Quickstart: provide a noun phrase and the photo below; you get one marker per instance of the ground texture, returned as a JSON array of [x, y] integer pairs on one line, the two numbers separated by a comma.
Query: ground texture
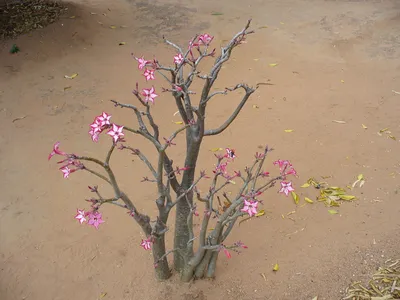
[[336, 60]]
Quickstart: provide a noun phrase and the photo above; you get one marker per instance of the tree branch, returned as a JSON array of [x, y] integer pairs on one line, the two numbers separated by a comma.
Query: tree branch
[[225, 125]]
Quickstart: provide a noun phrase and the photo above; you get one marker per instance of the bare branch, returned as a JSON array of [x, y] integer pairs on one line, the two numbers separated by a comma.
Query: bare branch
[[142, 158], [225, 125]]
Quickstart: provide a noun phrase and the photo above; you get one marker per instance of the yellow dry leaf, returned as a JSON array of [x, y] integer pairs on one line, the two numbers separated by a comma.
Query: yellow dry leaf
[[113, 27], [288, 130], [232, 182], [333, 212], [276, 268], [67, 88], [178, 123], [262, 27], [340, 122], [306, 185], [392, 137], [122, 43], [282, 216], [308, 200], [291, 213], [342, 81], [347, 197], [363, 126], [282, 23], [360, 177], [273, 65], [315, 298], [383, 130], [260, 213], [255, 59], [255, 106], [216, 149], [93, 13], [211, 229], [102, 295], [71, 77], [72, 17], [295, 197]]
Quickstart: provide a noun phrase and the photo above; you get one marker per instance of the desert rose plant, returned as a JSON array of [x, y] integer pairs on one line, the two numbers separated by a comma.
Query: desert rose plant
[[195, 253]]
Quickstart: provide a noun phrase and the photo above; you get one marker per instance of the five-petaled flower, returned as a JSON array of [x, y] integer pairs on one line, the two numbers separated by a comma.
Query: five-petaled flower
[[205, 39], [66, 171], [250, 207], [149, 74], [146, 244], [178, 59], [149, 94], [230, 153], [56, 150], [103, 119], [286, 188], [80, 216], [142, 62], [95, 219], [116, 132]]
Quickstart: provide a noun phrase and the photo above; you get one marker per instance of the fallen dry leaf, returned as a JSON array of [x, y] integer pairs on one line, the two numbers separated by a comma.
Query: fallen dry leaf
[[288, 130], [113, 27], [260, 213], [363, 126], [255, 106], [306, 185], [122, 43], [71, 77], [275, 268], [333, 212], [295, 197], [273, 65], [67, 88], [339, 122], [178, 122], [342, 81], [308, 200]]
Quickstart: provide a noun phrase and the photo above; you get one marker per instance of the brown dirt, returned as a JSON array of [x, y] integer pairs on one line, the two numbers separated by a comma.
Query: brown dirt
[[317, 44]]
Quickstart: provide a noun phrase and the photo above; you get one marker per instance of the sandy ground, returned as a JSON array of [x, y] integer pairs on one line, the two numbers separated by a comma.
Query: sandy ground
[[337, 60]]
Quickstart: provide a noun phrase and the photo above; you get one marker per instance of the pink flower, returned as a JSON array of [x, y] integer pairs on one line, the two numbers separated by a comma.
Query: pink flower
[[221, 168], [80, 216], [149, 74], [146, 244], [264, 174], [56, 150], [292, 171], [96, 125], [95, 219], [94, 134], [228, 255], [149, 94], [286, 188], [66, 171], [205, 39], [142, 62], [104, 119], [116, 132], [230, 153], [178, 59], [240, 244], [283, 164], [250, 207]]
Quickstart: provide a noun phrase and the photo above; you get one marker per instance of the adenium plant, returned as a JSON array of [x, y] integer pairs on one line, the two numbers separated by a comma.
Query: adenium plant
[[177, 187]]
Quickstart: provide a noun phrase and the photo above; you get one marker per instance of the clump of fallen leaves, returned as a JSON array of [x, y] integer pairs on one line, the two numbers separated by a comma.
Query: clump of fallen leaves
[[332, 196], [384, 285], [24, 16]]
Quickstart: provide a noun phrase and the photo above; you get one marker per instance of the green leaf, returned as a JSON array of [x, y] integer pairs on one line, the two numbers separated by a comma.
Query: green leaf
[[217, 14], [347, 197]]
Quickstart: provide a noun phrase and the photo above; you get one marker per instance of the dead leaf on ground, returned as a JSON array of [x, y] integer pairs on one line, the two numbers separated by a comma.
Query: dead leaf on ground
[[275, 268], [102, 295], [113, 27], [333, 212], [308, 200], [67, 88], [363, 126], [360, 180], [255, 106], [288, 130], [71, 77], [339, 122], [122, 43], [295, 197], [273, 65]]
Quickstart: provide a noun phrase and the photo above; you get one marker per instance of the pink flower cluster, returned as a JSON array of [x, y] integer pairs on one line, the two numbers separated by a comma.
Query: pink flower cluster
[[286, 168], [93, 218], [70, 164], [102, 123], [149, 68]]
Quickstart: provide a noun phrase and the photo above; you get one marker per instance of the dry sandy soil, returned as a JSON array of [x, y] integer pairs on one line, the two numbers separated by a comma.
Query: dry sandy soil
[[337, 60]]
